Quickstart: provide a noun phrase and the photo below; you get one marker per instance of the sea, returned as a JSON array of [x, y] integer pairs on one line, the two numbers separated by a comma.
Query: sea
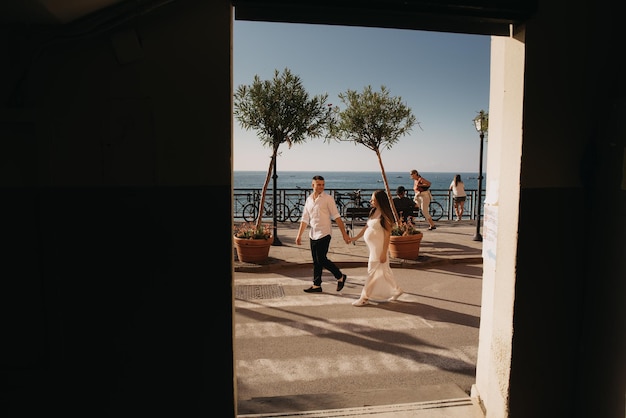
[[350, 180]]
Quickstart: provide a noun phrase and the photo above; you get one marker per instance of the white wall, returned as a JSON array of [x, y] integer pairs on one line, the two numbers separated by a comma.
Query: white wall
[[500, 224]]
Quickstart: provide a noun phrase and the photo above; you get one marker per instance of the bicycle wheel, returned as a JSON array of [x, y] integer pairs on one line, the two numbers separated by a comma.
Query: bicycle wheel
[[339, 202], [342, 211], [249, 212], [436, 210], [282, 212], [295, 213]]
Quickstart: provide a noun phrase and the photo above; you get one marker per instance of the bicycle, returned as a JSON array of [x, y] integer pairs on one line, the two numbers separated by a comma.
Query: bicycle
[[354, 201], [295, 213], [251, 210]]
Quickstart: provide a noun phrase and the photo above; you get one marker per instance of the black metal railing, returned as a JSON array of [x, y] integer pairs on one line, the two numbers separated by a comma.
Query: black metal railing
[[291, 201]]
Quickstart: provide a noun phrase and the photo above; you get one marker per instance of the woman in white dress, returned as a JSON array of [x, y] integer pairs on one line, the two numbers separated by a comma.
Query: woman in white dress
[[380, 283]]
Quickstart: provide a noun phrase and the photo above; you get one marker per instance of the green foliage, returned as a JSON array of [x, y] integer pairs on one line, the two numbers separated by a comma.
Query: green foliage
[[373, 119], [248, 230], [402, 228], [280, 110]]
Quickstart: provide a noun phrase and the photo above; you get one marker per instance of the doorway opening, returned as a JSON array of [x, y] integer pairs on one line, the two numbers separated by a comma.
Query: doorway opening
[[293, 156]]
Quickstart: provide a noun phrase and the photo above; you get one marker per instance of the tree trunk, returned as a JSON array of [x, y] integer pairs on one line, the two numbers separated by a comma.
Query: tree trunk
[[396, 218], [259, 220]]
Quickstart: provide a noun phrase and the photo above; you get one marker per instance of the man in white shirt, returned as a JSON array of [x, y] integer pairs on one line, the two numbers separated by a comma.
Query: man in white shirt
[[319, 212]]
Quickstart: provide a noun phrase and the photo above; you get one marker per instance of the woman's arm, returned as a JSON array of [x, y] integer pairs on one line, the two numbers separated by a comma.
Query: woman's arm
[[359, 235], [385, 250]]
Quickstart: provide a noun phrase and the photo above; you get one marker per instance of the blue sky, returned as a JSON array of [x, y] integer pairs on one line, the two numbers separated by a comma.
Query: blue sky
[[442, 77]]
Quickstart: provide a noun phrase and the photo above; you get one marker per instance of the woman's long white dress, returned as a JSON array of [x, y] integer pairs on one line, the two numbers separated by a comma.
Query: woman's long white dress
[[380, 283]]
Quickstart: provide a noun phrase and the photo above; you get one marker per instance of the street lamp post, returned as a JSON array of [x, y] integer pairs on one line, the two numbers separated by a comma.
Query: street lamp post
[[481, 123]]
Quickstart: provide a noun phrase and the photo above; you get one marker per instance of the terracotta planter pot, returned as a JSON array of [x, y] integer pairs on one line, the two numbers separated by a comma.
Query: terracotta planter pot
[[406, 246], [253, 250]]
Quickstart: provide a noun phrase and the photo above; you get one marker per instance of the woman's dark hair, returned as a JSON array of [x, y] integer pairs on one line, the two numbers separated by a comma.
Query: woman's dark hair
[[457, 179], [386, 216]]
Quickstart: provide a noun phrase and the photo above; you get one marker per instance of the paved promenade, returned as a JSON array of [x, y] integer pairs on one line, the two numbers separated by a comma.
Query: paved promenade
[[316, 355], [451, 242]]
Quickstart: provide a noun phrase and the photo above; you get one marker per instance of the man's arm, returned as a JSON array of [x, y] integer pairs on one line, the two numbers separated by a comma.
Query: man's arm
[[303, 226], [342, 228]]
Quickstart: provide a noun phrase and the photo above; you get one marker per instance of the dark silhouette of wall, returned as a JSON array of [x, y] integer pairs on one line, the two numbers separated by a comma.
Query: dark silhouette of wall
[[115, 199]]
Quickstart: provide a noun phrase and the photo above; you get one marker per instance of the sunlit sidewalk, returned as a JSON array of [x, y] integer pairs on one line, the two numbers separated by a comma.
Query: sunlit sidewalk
[[450, 242]]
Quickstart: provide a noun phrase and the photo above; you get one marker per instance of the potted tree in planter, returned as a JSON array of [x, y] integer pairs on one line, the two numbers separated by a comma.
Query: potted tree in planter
[[377, 121], [405, 240], [253, 242], [281, 111]]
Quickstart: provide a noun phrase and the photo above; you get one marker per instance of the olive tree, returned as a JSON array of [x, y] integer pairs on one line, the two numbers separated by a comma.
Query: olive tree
[[281, 111], [375, 120]]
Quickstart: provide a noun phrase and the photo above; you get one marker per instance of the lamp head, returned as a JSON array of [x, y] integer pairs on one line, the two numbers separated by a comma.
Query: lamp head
[[481, 122]]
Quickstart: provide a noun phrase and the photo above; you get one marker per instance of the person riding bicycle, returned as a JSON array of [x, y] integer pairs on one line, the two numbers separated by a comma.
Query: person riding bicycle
[[422, 196]]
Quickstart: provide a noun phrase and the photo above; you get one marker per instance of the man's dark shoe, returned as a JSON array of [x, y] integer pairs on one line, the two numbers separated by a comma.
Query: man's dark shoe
[[313, 290], [341, 282]]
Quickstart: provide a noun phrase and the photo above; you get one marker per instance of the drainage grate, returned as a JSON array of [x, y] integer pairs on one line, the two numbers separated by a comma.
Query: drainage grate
[[260, 291]]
